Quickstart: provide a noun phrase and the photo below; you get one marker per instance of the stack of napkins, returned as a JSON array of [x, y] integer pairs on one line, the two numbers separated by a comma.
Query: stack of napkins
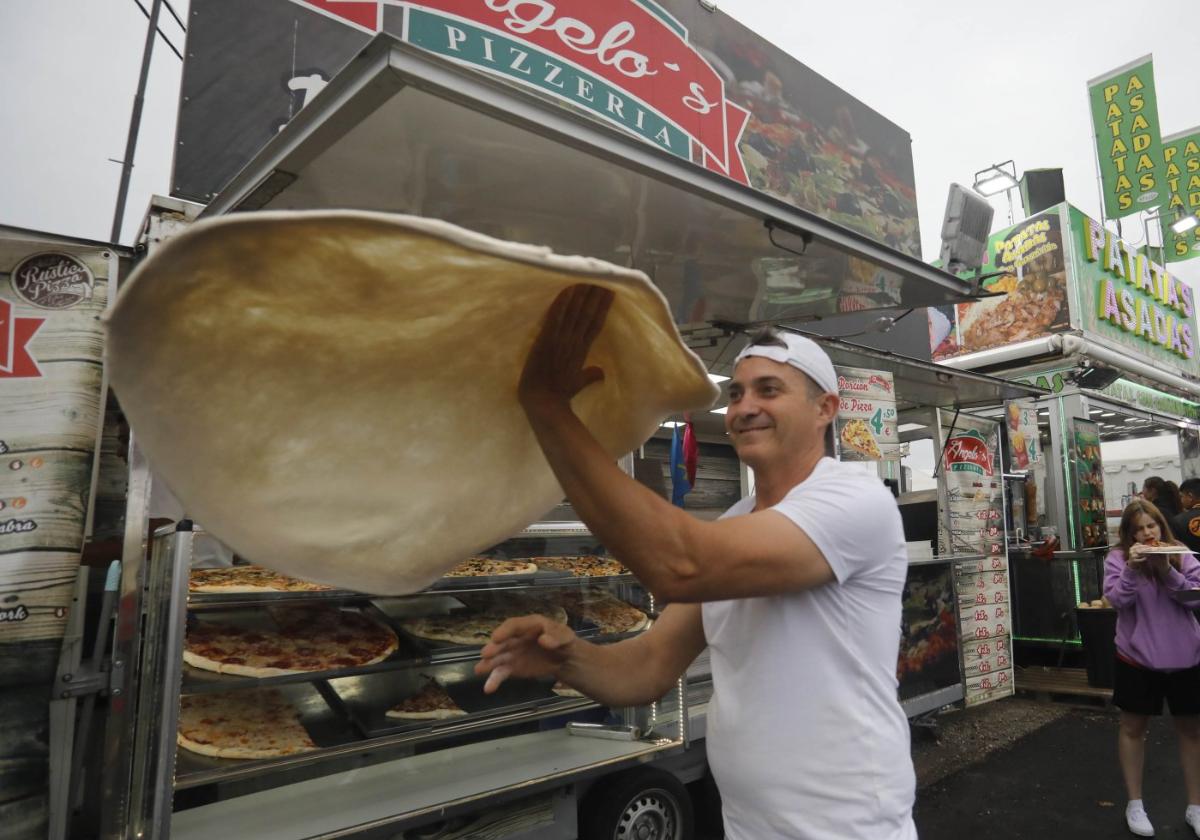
[[919, 551]]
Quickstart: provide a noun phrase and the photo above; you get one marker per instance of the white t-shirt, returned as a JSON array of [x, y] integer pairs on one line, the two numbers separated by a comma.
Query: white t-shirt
[[806, 736]]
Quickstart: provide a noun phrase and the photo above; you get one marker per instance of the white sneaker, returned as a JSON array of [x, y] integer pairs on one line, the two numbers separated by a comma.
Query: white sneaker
[[1136, 819], [1192, 818]]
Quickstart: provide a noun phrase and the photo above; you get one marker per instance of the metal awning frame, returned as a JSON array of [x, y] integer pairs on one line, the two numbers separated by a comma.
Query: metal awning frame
[[386, 65]]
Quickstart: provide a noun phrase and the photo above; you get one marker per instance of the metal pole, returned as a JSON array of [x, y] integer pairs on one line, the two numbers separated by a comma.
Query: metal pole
[[135, 122]]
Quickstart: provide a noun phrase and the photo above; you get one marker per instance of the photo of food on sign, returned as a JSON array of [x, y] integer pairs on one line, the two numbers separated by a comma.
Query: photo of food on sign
[[929, 634], [812, 144], [1029, 288], [1089, 484]]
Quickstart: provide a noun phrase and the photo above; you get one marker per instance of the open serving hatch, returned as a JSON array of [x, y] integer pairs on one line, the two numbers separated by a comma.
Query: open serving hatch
[[400, 130]]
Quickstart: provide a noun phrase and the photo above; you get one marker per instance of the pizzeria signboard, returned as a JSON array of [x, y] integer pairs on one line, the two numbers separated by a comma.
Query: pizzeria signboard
[[691, 82]]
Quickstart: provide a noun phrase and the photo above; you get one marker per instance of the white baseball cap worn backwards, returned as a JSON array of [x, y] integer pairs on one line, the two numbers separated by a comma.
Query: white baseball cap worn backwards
[[804, 354]]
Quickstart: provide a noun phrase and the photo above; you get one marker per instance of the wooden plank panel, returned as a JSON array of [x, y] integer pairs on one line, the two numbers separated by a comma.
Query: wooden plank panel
[[59, 410], [44, 497], [28, 663], [36, 589]]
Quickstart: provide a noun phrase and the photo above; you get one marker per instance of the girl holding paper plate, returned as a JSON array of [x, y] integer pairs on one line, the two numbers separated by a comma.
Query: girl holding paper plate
[[1152, 580]]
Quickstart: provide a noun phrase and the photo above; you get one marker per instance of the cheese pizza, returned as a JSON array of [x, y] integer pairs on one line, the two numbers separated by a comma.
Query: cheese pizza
[[588, 565], [492, 567], [307, 639], [609, 613], [241, 724], [474, 626], [248, 579]]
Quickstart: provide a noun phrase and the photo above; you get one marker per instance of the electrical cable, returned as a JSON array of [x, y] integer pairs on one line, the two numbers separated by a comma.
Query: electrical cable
[[160, 32]]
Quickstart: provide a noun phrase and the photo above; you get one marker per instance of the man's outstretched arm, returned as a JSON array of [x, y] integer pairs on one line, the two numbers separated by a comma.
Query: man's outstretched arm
[[675, 555]]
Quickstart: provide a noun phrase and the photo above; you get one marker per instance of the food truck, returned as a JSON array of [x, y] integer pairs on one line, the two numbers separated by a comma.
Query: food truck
[[753, 192], [1111, 333]]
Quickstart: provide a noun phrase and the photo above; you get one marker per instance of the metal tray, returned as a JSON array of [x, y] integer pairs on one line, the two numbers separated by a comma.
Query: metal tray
[[367, 698], [211, 600]]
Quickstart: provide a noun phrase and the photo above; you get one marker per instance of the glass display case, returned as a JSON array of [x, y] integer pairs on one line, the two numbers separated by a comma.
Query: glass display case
[[242, 692]]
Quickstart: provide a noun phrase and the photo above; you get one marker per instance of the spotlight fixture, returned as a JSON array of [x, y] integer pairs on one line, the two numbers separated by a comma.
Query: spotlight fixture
[[996, 179]]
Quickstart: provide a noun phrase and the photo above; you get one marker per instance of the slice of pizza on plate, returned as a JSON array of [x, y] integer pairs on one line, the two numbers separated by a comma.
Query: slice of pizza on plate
[[432, 702], [563, 690]]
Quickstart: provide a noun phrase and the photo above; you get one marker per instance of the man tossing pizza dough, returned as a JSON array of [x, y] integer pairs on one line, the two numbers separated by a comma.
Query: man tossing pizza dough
[[798, 602]]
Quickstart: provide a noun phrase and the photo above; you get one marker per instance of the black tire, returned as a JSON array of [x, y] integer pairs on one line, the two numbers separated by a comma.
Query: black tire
[[641, 804]]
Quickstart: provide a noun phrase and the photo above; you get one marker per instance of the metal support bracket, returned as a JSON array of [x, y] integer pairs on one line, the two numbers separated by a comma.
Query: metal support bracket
[[598, 730], [87, 679]]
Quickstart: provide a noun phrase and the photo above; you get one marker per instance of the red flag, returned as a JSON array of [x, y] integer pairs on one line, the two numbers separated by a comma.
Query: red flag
[[691, 452]]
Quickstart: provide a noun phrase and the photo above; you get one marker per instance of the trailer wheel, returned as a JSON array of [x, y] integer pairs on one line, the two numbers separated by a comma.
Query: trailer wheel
[[642, 804]]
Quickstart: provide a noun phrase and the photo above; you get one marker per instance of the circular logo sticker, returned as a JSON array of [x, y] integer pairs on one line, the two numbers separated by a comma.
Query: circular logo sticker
[[1194, 526], [53, 281]]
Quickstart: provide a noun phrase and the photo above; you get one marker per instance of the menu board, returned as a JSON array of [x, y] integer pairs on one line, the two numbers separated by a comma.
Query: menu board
[[1024, 447], [1091, 530], [866, 421], [971, 501]]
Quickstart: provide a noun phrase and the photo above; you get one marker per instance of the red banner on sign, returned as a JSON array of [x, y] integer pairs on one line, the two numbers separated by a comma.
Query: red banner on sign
[[15, 335]]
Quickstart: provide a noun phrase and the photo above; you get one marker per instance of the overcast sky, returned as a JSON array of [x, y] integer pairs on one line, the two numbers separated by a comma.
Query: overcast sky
[[973, 83]]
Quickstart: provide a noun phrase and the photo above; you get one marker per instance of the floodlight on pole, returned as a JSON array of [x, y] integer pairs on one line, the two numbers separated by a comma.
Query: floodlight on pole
[[996, 179], [1181, 224], [1184, 223]]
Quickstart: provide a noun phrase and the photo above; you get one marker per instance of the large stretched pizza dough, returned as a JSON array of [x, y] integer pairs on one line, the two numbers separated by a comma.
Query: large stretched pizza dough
[[333, 394]]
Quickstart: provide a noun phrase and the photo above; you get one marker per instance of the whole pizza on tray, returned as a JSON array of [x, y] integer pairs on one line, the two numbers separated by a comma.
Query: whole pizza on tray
[[492, 567], [475, 625], [587, 565], [306, 639], [609, 613], [241, 724], [233, 579]]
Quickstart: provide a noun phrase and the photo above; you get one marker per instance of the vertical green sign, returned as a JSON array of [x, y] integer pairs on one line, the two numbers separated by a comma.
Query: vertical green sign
[[1128, 140], [1181, 154]]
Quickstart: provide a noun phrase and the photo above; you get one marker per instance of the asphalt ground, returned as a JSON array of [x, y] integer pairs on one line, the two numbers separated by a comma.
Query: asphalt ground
[[1060, 780]]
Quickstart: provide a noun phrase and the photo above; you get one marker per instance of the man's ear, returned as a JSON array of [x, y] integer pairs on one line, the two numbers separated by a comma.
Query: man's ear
[[830, 403]]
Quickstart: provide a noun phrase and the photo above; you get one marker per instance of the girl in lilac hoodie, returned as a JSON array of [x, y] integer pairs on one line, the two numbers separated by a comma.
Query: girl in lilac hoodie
[[1158, 652]]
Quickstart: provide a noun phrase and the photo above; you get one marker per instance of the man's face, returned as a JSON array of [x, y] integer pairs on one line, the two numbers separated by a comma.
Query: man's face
[[1188, 499], [771, 412]]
